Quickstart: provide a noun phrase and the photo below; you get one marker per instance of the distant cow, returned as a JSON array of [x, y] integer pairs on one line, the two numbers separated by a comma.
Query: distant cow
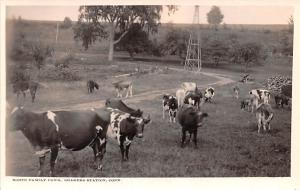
[[170, 104], [264, 115], [190, 119], [193, 98], [247, 104], [91, 85], [123, 85], [23, 86], [260, 96], [124, 127], [54, 130], [236, 91], [281, 99], [119, 104], [209, 94]]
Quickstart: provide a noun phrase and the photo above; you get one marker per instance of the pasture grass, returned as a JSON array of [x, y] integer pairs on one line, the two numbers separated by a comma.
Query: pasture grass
[[228, 143]]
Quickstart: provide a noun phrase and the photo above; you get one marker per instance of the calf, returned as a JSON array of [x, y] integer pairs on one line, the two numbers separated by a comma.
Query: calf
[[123, 85], [124, 127], [193, 98], [170, 104], [54, 130], [190, 119], [260, 95], [91, 85], [264, 115], [280, 100], [209, 94], [22, 86]]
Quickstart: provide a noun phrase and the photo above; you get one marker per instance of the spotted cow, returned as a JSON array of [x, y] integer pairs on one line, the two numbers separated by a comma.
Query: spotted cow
[[260, 96], [170, 104], [209, 94], [50, 131], [264, 115]]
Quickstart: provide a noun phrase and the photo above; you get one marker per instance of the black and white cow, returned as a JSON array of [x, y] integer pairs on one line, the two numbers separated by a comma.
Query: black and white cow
[[125, 124], [91, 85], [54, 130], [190, 119], [209, 94], [123, 128], [260, 96], [170, 104]]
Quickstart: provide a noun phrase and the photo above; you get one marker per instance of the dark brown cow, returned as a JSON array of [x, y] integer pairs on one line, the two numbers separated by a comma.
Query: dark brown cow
[[51, 131]]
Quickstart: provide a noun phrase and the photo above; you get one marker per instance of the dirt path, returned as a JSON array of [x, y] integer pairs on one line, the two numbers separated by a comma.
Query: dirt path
[[150, 95]]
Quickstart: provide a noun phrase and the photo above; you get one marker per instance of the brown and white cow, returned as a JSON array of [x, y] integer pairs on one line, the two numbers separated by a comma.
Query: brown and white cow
[[264, 115], [121, 86], [260, 96], [54, 130]]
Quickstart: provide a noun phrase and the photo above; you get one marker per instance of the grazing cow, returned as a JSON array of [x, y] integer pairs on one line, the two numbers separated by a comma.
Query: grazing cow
[[22, 86], [123, 85], [190, 119], [124, 127], [193, 98], [236, 91], [281, 99], [170, 104], [119, 104], [209, 94], [91, 85], [260, 95], [264, 115], [54, 130]]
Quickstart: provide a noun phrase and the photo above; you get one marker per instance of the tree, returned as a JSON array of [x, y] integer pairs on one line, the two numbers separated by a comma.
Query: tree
[[135, 41], [175, 43], [291, 24], [214, 16], [118, 19], [250, 53], [67, 23]]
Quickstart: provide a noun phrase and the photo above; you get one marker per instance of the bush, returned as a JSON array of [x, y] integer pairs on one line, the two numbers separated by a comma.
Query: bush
[[65, 61], [62, 74]]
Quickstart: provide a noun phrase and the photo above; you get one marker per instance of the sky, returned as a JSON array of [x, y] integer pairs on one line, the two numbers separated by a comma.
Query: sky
[[232, 14]]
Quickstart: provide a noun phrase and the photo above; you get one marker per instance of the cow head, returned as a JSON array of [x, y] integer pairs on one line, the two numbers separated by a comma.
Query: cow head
[[17, 119], [141, 124]]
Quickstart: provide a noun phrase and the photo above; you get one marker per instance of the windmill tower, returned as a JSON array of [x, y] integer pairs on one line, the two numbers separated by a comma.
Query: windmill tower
[[193, 55]]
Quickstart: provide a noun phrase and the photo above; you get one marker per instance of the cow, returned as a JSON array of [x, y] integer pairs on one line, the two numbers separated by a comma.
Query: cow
[[209, 94], [189, 86], [23, 86], [190, 119], [181, 92], [260, 95], [193, 98], [281, 99], [91, 85], [54, 130], [123, 85], [264, 115], [123, 127], [170, 104], [236, 91], [119, 104]]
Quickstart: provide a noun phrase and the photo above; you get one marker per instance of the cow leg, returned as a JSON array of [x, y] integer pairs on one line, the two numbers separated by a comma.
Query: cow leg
[[54, 153], [183, 137], [122, 139], [195, 138], [130, 90], [127, 151], [42, 164], [259, 122], [99, 149], [163, 110]]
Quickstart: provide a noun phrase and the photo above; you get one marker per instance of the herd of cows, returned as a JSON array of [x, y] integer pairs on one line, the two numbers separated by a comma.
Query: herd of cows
[[51, 131]]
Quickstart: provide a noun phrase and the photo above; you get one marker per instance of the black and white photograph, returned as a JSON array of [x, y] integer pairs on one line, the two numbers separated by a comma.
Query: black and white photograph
[[170, 91]]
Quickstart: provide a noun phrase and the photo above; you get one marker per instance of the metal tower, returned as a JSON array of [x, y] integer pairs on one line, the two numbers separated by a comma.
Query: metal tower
[[193, 55]]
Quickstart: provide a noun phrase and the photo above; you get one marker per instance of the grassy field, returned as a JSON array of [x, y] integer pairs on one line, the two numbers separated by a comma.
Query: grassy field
[[228, 143]]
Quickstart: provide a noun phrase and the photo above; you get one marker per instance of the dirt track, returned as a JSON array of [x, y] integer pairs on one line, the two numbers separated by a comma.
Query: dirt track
[[222, 80]]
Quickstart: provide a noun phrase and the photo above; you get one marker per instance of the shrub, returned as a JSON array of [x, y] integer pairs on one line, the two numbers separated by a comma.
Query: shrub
[[67, 23], [61, 74]]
